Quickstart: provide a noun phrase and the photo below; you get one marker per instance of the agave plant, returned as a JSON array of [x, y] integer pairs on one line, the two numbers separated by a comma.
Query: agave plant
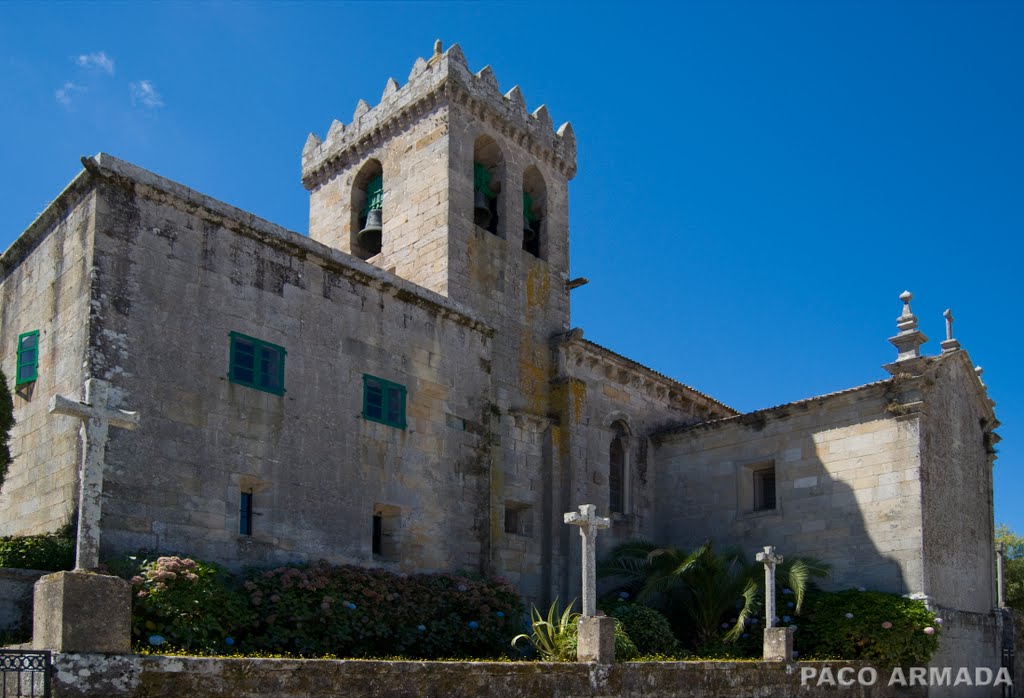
[[553, 637]]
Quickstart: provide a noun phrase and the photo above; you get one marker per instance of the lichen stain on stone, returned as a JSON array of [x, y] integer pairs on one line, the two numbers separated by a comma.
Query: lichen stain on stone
[[538, 285]]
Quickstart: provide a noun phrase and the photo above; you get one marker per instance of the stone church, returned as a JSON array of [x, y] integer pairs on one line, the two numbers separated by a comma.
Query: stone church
[[403, 387]]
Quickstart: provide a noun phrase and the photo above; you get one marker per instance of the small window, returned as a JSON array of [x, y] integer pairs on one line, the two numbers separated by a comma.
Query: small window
[[764, 489], [518, 520], [384, 401], [384, 540], [245, 515], [617, 470], [28, 358], [257, 364]]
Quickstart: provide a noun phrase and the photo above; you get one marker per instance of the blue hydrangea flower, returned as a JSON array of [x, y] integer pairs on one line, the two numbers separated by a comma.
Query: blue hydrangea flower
[[754, 621], [786, 619], [473, 624], [623, 594], [787, 590], [421, 627], [156, 639], [229, 640], [745, 635], [500, 614], [462, 587], [791, 604]]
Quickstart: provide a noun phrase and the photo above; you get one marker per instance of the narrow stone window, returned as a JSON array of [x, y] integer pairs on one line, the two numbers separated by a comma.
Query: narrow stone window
[[384, 532], [518, 519], [617, 461], [28, 358], [488, 167], [534, 211], [245, 514], [764, 488], [368, 211], [256, 363]]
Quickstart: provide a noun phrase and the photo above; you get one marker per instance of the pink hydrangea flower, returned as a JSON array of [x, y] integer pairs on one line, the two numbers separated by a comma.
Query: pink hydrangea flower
[[886, 625], [929, 630]]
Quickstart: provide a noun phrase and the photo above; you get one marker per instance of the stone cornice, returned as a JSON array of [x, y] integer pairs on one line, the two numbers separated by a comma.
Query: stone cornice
[[619, 369]]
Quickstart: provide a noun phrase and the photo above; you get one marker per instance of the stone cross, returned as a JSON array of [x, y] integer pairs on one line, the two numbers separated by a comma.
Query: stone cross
[[1000, 554], [96, 418], [949, 344], [589, 523], [770, 559]]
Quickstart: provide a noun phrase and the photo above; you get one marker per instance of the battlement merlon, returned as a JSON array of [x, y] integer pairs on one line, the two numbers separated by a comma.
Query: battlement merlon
[[444, 78]]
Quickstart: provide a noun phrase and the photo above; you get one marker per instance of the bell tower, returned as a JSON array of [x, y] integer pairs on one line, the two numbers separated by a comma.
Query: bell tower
[[454, 186]]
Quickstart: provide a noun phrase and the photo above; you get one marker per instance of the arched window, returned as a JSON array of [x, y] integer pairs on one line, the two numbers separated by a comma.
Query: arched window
[[367, 210], [618, 457], [488, 165], [534, 210]]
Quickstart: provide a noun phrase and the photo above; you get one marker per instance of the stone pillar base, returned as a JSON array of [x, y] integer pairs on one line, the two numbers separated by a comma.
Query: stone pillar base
[[82, 612], [596, 640], [778, 644]]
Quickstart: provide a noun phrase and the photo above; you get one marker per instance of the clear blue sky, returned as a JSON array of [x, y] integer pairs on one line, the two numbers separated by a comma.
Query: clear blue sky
[[757, 181]]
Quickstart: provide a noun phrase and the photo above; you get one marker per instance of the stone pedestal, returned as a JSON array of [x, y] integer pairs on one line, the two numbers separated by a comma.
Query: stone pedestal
[[596, 641], [778, 644], [82, 612]]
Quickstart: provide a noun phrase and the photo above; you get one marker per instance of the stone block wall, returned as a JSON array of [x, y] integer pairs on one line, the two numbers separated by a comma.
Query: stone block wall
[[957, 508], [45, 286], [80, 675], [175, 273], [16, 598], [847, 485]]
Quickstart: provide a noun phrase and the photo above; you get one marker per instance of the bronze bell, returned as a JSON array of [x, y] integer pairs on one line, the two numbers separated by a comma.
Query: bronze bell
[[369, 236], [481, 209]]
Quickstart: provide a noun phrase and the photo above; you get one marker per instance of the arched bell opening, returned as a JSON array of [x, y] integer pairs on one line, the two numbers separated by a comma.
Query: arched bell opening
[[367, 210], [534, 211], [488, 172]]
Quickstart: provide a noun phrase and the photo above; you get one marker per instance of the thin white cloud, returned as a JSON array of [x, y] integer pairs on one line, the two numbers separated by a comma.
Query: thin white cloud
[[144, 94], [64, 95], [99, 60]]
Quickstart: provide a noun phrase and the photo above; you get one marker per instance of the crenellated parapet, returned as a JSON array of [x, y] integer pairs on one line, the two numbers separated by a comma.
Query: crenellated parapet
[[445, 78]]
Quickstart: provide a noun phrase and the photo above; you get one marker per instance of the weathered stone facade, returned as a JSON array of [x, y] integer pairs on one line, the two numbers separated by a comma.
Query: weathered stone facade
[[510, 417]]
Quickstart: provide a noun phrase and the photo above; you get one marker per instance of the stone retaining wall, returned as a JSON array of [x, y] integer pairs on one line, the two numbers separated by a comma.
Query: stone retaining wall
[[77, 675], [16, 597]]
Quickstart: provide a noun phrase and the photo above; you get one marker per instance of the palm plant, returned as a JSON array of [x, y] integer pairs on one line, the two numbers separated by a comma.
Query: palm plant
[[699, 590]]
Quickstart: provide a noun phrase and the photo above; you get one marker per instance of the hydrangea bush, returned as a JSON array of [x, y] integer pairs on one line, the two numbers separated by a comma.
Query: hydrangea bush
[[186, 604], [886, 629], [359, 612]]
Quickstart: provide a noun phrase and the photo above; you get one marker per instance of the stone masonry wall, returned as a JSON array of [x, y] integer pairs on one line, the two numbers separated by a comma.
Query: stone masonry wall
[[130, 676], [175, 274], [957, 490], [44, 286], [847, 483]]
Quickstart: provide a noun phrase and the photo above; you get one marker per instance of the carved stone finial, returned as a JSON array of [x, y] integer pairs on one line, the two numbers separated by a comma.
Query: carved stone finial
[[437, 47], [949, 344], [978, 370], [907, 341]]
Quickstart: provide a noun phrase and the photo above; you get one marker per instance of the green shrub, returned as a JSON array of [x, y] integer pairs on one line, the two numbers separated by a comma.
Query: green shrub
[[6, 424], [647, 628], [49, 551], [178, 602], [886, 629], [358, 612]]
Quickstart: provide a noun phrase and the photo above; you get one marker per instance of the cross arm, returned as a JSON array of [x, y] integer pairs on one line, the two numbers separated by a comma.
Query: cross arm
[[73, 408]]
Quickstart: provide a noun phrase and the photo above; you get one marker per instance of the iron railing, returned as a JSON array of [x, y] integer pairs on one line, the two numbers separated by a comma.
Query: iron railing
[[24, 674]]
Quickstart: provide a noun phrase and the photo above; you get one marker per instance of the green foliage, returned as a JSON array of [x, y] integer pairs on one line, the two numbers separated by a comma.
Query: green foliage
[[885, 629], [187, 605], [647, 628], [707, 596], [6, 424], [1013, 566], [49, 551], [358, 612], [553, 637]]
